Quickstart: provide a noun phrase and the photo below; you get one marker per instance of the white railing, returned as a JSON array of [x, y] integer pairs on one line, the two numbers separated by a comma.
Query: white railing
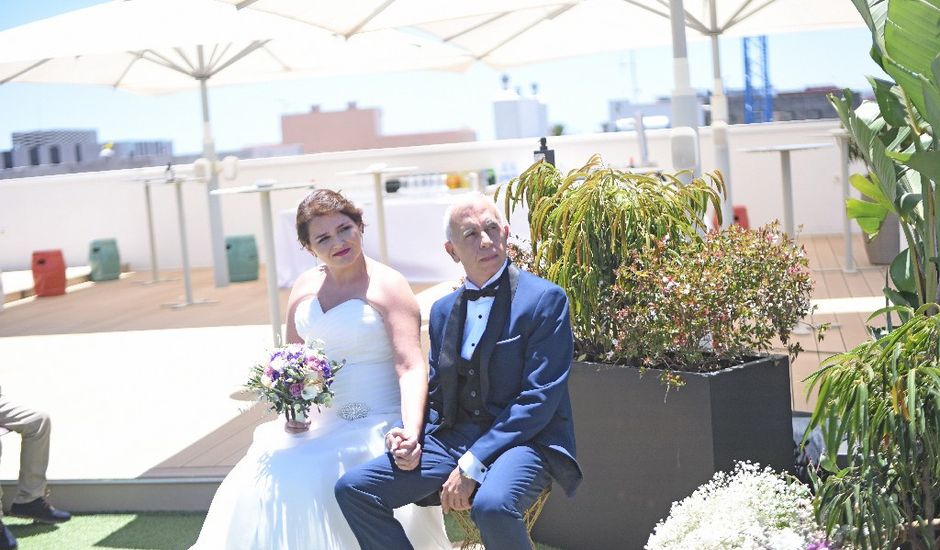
[[68, 211]]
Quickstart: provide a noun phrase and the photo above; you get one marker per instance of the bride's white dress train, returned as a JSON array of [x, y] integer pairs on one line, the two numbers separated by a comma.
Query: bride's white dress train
[[280, 495]]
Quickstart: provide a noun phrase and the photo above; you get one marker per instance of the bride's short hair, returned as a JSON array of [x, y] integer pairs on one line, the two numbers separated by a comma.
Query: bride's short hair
[[323, 202]]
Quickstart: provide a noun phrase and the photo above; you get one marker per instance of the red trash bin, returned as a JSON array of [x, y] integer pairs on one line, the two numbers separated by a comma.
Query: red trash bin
[[740, 217], [48, 273]]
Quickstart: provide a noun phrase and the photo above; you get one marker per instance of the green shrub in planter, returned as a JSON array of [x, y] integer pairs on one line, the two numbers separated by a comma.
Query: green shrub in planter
[[649, 289]]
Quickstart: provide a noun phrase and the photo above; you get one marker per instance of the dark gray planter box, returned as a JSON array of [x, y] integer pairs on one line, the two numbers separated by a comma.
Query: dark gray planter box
[[640, 453]]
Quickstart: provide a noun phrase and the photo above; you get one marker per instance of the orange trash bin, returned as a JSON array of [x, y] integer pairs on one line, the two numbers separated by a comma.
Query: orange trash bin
[[48, 273]]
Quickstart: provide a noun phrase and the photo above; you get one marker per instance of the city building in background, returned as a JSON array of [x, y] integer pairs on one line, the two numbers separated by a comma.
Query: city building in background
[[355, 128], [623, 113], [519, 116], [41, 147], [160, 151], [807, 104], [47, 152]]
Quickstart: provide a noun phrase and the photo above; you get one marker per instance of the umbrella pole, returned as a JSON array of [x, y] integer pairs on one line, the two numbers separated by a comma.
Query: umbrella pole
[[684, 102], [216, 235], [720, 122]]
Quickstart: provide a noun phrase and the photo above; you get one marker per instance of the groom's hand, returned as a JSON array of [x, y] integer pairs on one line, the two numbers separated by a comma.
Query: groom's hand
[[456, 492]]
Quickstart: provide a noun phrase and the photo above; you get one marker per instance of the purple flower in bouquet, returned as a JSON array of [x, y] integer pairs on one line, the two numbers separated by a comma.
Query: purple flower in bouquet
[[819, 545], [296, 389], [278, 363]]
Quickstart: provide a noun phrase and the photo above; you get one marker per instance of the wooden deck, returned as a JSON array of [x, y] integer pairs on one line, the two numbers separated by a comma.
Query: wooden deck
[[142, 392], [850, 297]]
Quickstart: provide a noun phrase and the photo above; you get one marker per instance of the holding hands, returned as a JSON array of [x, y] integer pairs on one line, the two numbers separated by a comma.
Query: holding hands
[[404, 447]]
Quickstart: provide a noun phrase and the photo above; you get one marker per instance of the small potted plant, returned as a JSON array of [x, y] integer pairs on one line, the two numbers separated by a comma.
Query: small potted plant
[[655, 300]]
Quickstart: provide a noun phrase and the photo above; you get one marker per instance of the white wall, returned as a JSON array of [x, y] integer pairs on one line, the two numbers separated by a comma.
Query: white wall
[[68, 211]]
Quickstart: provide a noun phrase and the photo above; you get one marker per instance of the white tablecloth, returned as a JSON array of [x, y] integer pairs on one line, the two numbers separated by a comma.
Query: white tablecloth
[[414, 233]]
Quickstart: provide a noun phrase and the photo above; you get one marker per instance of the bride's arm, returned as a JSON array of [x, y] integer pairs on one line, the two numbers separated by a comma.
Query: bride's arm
[[402, 319], [300, 290]]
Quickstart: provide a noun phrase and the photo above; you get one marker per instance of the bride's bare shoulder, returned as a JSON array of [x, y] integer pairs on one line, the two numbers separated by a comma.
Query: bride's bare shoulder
[[388, 288], [307, 284]]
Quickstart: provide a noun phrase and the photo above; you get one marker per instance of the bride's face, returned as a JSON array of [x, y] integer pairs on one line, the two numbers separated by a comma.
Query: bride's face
[[335, 239]]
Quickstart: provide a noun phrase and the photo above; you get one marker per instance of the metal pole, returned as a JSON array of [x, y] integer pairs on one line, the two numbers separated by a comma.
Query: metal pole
[[184, 249], [154, 268], [217, 237], [842, 140], [380, 212], [271, 267], [787, 194], [720, 121]]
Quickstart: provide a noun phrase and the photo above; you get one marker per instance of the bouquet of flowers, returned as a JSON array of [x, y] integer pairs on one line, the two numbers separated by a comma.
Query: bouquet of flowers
[[294, 378]]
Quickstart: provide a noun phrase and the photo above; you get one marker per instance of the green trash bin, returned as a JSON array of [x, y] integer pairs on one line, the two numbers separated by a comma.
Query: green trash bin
[[104, 260], [242, 254]]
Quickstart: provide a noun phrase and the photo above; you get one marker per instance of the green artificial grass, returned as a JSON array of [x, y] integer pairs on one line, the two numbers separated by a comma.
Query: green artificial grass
[[150, 531], [153, 531]]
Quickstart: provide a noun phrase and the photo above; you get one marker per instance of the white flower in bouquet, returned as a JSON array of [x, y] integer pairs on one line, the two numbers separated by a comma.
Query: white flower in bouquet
[[748, 509]]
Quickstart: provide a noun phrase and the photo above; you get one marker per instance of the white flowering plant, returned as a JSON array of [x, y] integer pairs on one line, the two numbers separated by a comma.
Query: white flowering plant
[[749, 509]]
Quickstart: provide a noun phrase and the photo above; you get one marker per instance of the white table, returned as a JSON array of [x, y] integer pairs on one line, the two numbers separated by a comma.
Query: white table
[[264, 188], [154, 266], [785, 168], [377, 171], [170, 178]]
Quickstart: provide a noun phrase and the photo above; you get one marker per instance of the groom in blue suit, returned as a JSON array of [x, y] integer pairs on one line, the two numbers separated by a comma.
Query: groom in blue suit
[[499, 425]]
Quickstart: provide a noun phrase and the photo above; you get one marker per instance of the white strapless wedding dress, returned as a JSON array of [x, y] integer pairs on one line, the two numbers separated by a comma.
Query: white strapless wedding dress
[[280, 495]]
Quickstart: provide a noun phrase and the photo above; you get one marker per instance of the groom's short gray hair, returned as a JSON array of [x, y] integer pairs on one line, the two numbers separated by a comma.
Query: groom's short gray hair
[[470, 199]]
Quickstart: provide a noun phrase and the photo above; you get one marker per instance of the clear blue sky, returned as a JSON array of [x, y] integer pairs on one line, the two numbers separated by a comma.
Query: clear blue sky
[[412, 102]]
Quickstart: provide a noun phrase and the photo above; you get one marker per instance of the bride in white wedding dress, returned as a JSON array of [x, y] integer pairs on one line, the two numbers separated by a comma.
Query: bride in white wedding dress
[[280, 495]]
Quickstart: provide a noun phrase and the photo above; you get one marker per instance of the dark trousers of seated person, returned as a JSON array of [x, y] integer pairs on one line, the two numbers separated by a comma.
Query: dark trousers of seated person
[[368, 494]]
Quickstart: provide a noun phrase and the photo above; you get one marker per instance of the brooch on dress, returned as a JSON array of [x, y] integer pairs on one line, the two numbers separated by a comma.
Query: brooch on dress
[[353, 411]]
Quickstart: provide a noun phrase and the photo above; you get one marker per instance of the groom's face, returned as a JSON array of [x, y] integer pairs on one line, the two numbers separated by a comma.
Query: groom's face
[[478, 240]]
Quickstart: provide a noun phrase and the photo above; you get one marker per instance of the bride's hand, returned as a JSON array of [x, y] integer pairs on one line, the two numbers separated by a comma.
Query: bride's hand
[[296, 427], [404, 448]]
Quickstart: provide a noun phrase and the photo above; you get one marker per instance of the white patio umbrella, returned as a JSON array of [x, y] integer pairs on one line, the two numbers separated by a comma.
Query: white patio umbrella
[[509, 33], [161, 46]]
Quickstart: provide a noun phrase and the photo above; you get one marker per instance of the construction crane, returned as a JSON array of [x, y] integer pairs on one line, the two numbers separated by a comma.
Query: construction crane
[[758, 93]]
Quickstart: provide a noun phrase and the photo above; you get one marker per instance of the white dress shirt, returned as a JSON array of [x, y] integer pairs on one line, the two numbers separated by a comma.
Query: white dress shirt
[[478, 314]]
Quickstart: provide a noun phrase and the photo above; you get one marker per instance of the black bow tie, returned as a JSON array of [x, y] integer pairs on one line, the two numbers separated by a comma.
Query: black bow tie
[[474, 295]]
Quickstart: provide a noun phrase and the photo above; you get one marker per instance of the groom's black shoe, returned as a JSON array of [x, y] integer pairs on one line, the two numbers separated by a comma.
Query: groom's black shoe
[[7, 540], [39, 510]]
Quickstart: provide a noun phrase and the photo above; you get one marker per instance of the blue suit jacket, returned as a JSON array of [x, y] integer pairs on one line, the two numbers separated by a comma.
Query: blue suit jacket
[[525, 360]]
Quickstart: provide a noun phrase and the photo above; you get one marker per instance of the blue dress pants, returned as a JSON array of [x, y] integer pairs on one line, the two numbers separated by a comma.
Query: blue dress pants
[[368, 494]]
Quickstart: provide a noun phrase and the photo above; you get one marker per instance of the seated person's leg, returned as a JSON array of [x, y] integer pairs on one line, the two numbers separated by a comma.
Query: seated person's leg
[[35, 428], [512, 484], [368, 494]]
